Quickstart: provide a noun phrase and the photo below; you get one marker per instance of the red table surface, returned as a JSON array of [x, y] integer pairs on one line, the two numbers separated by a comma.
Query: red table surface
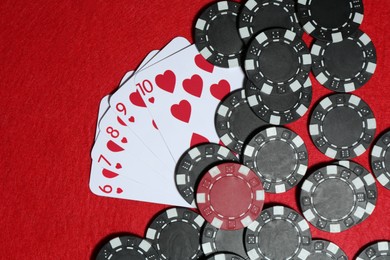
[[58, 59]]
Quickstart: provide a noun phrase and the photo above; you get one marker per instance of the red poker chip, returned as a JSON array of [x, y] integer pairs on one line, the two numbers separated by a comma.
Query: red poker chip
[[230, 196]]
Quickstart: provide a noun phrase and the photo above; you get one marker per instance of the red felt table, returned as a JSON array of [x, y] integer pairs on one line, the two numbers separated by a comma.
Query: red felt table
[[58, 59]]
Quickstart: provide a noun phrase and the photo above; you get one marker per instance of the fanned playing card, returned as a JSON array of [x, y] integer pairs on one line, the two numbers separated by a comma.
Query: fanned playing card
[[129, 105], [123, 166], [182, 93]]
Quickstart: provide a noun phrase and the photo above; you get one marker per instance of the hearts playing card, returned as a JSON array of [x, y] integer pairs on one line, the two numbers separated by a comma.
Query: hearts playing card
[[117, 142], [121, 160], [124, 188], [129, 105], [186, 91], [104, 103]]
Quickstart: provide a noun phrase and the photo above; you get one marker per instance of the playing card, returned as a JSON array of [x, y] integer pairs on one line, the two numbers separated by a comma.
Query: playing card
[[117, 145], [182, 93], [104, 103], [119, 154], [112, 177], [124, 188], [114, 127], [119, 150], [110, 151], [131, 108]]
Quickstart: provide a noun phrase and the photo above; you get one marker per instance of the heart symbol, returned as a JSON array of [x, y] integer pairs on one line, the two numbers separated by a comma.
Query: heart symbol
[[203, 64], [136, 99], [132, 119], [197, 139], [124, 140], [120, 121], [114, 147], [194, 85], [154, 124], [109, 174], [151, 100], [182, 111], [118, 166], [166, 81], [119, 190], [220, 90]]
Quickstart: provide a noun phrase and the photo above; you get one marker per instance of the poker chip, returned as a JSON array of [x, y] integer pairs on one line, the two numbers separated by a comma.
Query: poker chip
[[331, 20], [194, 163], [380, 160], [278, 233], [127, 247], [333, 199], [217, 240], [278, 59], [235, 121], [259, 15], [279, 108], [379, 251], [222, 256], [322, 249], [175, 234], [216, 35], [230, 196], [342, 126], [369, 184], [278, 156], [344, 66]]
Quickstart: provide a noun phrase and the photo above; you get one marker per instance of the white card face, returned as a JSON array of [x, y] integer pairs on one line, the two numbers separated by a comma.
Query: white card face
[[131, 108], [111, 155], [114, 149], [123, 167], [117, 148], [125, 150], [182, 93], [104, 103], [124, 188]]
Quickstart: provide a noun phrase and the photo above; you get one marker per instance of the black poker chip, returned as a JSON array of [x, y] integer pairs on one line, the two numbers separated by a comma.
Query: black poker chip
[[217, 240], [216, 35], [344, 66], [380, 160], [279, 108], [342, 126], [278, 156], [333, 199], [369, 184], [259, 15], [235, 121], [325, 250], [331, 20], [196, 161], [278, 59], [175, 234], [127, 247], [378, 251], [225, 256], [278, 233]]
